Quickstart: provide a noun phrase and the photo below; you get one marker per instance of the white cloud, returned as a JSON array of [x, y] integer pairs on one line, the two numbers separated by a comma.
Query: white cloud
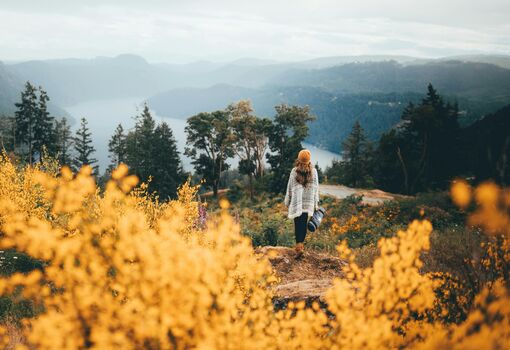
[[227, 29]]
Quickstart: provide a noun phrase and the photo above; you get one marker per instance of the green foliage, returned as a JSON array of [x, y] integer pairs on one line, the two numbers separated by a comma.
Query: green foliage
[[168, 174], [34, 126], [25, 119], [270, 232], [33, 130], [250, 140], [7, 133], [44, 126], [14, 306], [12, 261], [486, 148], [117, 147], [151, 153], [64, 141], [140, 145], [210, 143], [83, 147], [356, 166], [421, 154], [436, 207], [236, 191], [288, 130]]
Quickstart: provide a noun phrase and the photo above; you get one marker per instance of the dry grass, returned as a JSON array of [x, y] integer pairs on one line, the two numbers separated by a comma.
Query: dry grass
[[13, 336]]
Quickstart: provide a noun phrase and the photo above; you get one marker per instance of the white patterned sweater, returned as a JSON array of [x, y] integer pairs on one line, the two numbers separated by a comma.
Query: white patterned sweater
[[301, 199]]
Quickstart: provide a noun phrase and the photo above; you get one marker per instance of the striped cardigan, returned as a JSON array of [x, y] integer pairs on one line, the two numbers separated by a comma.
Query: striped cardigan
[[301, 199]]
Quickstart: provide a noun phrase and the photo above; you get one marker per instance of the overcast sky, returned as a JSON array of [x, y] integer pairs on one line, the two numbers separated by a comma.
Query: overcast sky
[[219, 30]]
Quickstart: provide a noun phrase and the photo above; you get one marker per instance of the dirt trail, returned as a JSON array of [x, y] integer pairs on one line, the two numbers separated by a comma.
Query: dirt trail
[[370, 197], [306, 278]]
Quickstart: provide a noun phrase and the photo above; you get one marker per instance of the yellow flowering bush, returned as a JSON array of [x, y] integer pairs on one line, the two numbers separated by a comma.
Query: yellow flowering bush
[[125, 271], [492, 205], [373, 305], [114, 282]]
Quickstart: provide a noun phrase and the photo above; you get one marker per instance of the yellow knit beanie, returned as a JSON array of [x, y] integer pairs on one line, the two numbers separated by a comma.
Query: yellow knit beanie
[[304, 156]]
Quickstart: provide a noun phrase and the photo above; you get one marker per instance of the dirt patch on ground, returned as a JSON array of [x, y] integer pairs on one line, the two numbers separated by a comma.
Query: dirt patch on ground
[[304, 278]]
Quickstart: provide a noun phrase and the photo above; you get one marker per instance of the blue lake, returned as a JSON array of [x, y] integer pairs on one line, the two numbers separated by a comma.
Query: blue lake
[[104, 115]]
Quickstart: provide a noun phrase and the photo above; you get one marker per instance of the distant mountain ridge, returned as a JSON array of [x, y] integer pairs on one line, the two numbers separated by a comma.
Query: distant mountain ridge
[[340, 90], [10, 89], [467, 79], [71, 81]]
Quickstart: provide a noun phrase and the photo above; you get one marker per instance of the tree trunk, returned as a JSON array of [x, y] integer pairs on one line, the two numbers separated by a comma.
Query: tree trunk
[[422, 163], [251, 186], [404, 170], [501, 165]]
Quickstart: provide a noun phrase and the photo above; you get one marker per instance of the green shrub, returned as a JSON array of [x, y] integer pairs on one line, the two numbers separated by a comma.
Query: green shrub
[[270, 233], [12, 261]]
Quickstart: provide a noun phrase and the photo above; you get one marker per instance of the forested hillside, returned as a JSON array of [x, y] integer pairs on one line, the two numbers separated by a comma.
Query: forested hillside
[[336, 112], [487, 142], [454, 77], [9, 88], [339, 90]]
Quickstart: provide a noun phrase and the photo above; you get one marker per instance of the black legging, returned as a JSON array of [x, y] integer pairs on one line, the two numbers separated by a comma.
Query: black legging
[[300, 227]]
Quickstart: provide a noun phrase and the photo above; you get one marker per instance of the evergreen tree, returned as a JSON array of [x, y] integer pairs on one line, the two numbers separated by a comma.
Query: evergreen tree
[[35, 128], [117, 147], [391, 171], [44, 126], [421, 153], [289, 128], [168, 173], [140, 145], [25, 116], [433, 130], [210, 143], [151, 152], [486, 144], [320, 173], [83, 148], [7, 131], [64, 141], [357, 155]]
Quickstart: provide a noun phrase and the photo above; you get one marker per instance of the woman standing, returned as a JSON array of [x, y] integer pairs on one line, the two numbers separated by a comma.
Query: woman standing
[[302, 196]]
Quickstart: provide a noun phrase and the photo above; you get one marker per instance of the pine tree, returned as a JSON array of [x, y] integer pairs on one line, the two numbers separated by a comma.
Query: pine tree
[[44, 126], [64, 141], [25, 116], [356, 157], [83, 147], [168, 174], [7, 130], [423, 153], [140, 145], [117, 147], [150, 151]]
